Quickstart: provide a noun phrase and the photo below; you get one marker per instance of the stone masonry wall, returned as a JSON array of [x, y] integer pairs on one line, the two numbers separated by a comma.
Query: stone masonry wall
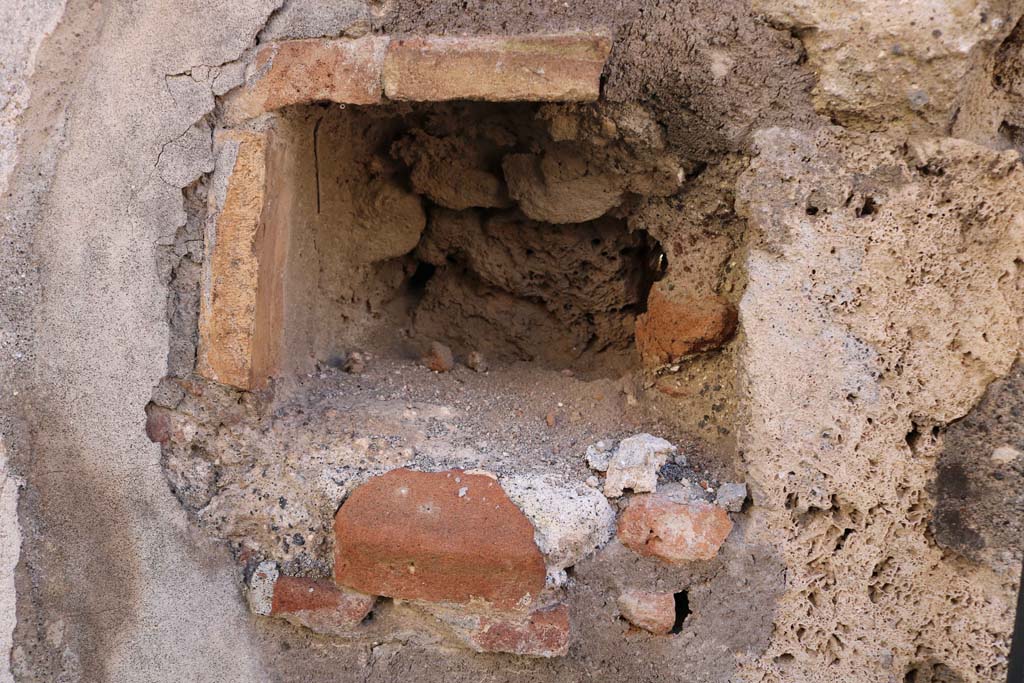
[[848, 216]]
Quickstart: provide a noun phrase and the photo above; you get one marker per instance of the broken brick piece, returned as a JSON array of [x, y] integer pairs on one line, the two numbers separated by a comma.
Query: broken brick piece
[[654, 612], [654, 526], [292, 72], [228, 325], [676, 325], [319, 605], [542, 633], [315, 604], [540, 68], [437, 536]]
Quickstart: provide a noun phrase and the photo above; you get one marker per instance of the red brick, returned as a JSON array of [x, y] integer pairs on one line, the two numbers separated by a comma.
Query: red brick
[[561, 67], [542, 633], [437, 536], [654, 612], [228, 325], [319, 605], [678, 324], [304, 71], [674, 532]]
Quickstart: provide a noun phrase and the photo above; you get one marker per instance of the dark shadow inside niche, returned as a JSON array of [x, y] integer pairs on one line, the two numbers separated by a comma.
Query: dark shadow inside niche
[[682, 602], [473, 224]]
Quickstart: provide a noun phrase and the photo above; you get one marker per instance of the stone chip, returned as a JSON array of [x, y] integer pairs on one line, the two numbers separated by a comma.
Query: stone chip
[[635, 464]]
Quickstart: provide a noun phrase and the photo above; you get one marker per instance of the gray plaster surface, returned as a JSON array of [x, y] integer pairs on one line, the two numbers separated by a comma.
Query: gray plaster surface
[[114, 585]]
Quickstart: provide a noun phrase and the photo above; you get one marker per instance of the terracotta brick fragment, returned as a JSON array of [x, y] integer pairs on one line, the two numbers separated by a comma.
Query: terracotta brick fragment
[[654, 526], [227, 319], [304, 71], [678, 324], [559, 67], [654, 612], [440, 537], [319, 605], [543, 632]]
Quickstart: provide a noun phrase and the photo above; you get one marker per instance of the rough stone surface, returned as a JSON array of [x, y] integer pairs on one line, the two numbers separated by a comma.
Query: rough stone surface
[[495, 68], [635, 464], [599, 455], [557, 190], [979, 479], [454, 172], [731, 496], [913, 61], [476, 361], [303, 71], [674, 532], [261, 588], [571, 521], [654, 612], [907, 327], [677, 324], [519, 289], [437, 536]]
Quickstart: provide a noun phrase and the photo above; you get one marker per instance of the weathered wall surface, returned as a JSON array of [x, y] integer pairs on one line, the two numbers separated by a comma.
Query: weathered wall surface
[[871, 152], [112, 585]]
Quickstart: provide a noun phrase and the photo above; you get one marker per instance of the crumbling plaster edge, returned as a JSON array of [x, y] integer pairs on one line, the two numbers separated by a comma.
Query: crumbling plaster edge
[[10, 552]]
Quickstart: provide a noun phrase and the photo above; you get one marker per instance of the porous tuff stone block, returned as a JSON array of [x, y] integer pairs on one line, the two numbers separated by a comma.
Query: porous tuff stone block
[[655, 526], [439, 537], [559, 67], [304, 71]]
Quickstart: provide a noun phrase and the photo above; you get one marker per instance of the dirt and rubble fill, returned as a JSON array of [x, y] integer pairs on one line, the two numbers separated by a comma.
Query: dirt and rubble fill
[[499, 229]]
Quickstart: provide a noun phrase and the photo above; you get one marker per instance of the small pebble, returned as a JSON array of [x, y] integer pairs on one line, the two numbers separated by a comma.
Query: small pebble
[[355, 363], [1004, 455], [731, 496], [439, 358], [476, 361]]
